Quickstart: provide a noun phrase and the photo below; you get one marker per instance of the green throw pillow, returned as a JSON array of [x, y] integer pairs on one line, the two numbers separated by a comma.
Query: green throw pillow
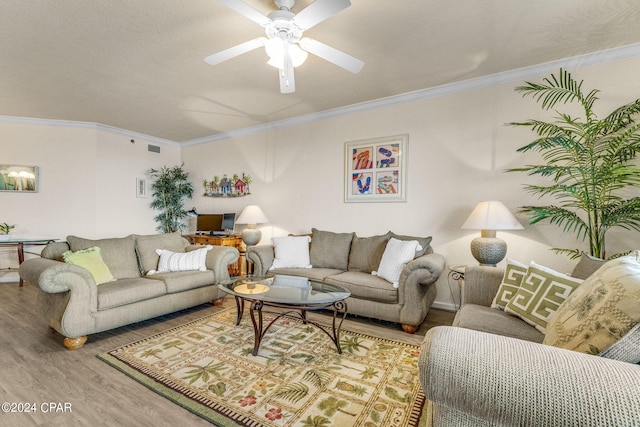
[[513, 274], [91, 260], [541, 293]]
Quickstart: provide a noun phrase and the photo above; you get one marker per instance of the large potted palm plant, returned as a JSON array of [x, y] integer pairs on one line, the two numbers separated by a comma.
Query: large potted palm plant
[[170, 187], [590, 161]]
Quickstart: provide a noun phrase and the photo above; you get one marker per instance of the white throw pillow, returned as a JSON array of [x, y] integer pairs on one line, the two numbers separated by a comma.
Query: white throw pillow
[[395, 256], [181, 261], [291, 252]]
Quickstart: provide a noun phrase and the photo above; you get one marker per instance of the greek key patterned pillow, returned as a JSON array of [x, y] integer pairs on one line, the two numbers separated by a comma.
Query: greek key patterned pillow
[[541, 293], [513, 274]]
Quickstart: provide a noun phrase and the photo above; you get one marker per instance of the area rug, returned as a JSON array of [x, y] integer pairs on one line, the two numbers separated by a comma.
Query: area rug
[[297, 379]]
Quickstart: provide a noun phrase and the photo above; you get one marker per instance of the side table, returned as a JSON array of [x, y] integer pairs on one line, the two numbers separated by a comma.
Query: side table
[[456, 274], [233, 240], [19, 243]]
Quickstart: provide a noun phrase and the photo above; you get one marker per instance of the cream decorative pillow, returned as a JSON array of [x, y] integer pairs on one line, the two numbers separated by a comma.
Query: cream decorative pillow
[[395, 256], [602, 311], [513, 274], [181, 261], [291, 252], [541, 292], [91, 259]]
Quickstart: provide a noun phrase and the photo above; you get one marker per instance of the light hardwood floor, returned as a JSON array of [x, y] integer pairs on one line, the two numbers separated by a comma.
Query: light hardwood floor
[[35, 368]]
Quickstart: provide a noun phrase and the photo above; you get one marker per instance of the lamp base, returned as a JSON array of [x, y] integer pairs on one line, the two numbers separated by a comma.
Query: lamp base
[[251, 236], [488, 251]]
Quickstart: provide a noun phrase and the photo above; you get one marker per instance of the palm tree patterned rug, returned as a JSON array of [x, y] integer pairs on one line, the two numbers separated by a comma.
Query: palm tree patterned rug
[[297, 379]]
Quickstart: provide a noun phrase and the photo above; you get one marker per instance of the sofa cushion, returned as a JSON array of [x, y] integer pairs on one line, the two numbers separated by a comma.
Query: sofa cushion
[[55, 250], [395, 256], [128, 291], [181, 261], [541, 292], [513, 274], [366, 252], [586, 266], [487, 319], [312, 273], [118, 253], [291, 252], [602, 310], [330, 250], [365, 286], [146, 248], [184, 280], [425, 243], [91, 260]]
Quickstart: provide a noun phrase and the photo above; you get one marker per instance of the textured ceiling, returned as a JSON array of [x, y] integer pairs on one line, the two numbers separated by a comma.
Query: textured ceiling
[[138, 65]]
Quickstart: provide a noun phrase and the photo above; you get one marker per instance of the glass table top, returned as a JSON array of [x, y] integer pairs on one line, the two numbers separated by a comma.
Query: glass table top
[[284, 289]]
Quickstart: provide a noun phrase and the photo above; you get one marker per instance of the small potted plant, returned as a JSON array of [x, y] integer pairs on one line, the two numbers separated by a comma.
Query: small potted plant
[[5, 229]]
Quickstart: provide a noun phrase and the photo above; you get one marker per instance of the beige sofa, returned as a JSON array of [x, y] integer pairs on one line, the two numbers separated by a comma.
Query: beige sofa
[[72, 303], [348, 260], [490, 369]]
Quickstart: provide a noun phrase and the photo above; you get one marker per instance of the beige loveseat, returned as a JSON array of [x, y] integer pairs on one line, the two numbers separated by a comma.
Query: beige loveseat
[[348, 260], [72, 303], [491, 369]]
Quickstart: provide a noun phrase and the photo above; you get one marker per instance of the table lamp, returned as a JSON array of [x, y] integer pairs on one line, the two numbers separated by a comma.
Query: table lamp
[[252, 215], [489, 217]]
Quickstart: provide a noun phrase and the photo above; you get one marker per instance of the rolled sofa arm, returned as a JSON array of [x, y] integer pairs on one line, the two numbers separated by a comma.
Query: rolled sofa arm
[[218, 258], [416, 279], [262, 257], [479, 379], [69, 296], [430, 265]]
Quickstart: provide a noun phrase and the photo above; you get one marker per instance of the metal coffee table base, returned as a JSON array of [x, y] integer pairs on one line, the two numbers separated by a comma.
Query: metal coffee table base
[[338, 307]]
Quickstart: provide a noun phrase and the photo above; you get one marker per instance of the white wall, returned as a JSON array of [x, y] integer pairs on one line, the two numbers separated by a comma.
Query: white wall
[[87, 181], [459, 148]]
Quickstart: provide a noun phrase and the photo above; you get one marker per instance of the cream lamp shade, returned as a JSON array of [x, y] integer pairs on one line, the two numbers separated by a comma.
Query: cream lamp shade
[[252, 215], [489, 217]]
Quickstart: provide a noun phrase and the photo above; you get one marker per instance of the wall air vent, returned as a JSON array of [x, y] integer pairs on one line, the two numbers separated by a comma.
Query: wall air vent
[[153, 148]]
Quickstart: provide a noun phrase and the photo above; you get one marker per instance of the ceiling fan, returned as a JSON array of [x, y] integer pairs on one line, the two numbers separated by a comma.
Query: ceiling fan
[[284, 43]]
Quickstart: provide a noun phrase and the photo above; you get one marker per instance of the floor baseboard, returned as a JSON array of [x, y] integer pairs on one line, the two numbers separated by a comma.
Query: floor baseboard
[[445, 306]]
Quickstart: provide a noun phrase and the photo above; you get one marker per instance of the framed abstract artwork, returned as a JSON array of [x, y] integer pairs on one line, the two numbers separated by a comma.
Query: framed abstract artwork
[[375, 169], [19, 178]]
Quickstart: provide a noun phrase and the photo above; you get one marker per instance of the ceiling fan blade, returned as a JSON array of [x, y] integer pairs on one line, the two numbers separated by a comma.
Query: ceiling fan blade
[[232, 52], [287, 78], [318, 11], [247, 11], [331, 54]]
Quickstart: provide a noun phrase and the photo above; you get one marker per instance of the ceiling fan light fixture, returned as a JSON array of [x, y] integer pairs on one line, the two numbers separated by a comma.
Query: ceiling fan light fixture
[[275, 49]]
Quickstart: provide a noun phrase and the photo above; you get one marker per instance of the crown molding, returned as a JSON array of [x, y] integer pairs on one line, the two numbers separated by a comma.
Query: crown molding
[[600, 57], [87, 125]]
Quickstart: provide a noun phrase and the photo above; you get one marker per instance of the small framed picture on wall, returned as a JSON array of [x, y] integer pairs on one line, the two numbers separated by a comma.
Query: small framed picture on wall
[[375, 170], [141, 187], [19, 178]]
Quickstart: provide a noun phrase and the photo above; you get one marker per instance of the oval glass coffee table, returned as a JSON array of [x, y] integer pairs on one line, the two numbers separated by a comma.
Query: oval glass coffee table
[[296, 295]]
